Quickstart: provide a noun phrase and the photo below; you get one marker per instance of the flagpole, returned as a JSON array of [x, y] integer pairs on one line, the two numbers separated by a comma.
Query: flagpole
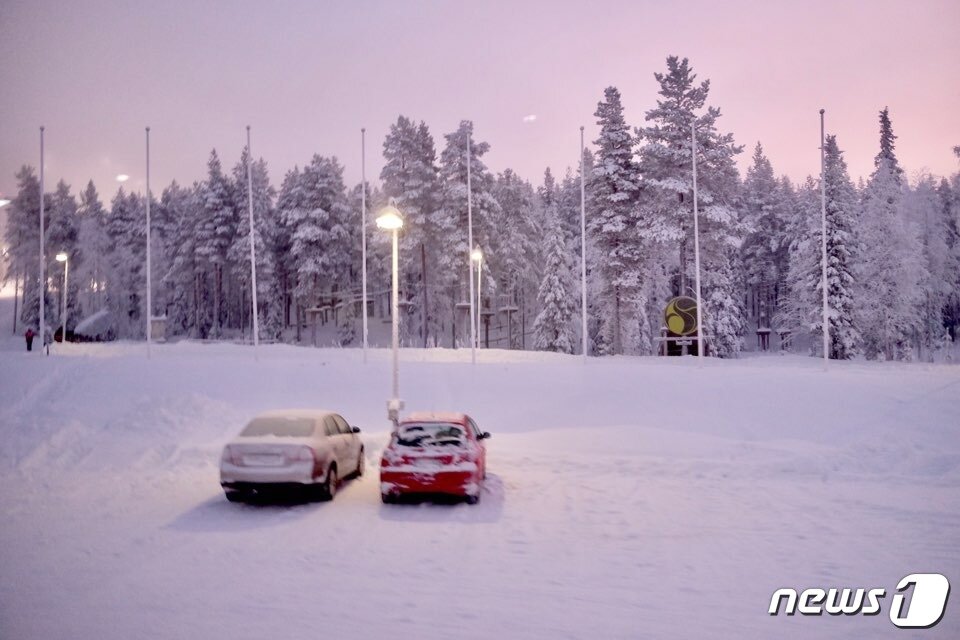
[[149, 273], [43, 277], [701, 341], [823, 244], [473, 328], [583, 251], [363, 227], [253, 258]]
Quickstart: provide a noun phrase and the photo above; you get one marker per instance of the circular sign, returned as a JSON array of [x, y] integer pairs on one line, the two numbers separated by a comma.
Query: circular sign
[[680, 316]]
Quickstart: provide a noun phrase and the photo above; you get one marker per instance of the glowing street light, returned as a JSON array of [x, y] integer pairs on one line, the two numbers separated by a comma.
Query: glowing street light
[[4, 202], [390, 220], [65, 259], [122, 177], [477, 256]]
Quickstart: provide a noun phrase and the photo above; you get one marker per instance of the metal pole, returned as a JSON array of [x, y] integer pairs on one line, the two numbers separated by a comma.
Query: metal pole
[[149, 287], [479, 305], [253, 256], [395, 329], [701, 342], [823, 243], [473, 327], [66, 285], [43, 276], [583, 252], [363, 228]]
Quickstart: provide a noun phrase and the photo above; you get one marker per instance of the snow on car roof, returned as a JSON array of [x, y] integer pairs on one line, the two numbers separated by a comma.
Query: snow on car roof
[[435, 416]]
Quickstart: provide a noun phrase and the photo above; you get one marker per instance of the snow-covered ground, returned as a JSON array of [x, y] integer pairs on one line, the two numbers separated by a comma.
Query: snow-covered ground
[[627, 498]]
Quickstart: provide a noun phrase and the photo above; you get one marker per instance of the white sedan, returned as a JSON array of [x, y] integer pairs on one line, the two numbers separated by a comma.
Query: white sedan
[[301, 450]]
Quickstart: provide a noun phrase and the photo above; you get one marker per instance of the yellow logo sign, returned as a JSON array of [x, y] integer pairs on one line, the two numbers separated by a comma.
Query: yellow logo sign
[[680, 316]]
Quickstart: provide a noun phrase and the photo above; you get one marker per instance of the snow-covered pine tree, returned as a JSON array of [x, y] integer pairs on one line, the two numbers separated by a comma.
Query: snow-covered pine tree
[[552, 327], [612, 224], [94, 243], [453, 262], [889, 268], [289, 210], [268, 299], [62, 236], [949, 192], [514, 243], [761, 250], [410, 177], [667, 205], [22, 234], [126, 228], [216, 231], [842, 214]]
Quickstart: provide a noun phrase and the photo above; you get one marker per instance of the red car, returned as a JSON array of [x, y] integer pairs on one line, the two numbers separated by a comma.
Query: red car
[[434, 453]]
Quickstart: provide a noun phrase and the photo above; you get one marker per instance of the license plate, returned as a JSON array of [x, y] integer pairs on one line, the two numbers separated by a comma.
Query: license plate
[[263, 460]]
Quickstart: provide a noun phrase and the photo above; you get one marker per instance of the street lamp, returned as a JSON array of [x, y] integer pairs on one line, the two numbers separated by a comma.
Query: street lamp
[[390, 220], [4, 202], [477, 256], [62, 257]]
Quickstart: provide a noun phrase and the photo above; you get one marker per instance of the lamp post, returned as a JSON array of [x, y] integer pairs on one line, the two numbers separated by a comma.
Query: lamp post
[[253, 257], [363, 233], [823, 244], [473, 327], [390, 220], [583, 252], [65, 259], [149, 267], [43, 275], [477, 256]]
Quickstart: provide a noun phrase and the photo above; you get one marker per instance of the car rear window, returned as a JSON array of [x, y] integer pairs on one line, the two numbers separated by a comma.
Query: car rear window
[[280, 427], [431, 434]]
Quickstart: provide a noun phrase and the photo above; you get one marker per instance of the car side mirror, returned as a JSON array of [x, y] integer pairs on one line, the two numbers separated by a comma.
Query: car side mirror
[[355, 429], [485, 435]]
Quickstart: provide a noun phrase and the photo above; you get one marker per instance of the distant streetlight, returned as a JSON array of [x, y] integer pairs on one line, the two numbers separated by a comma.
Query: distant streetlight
[[122, 177], [477, 256], [65, 259], [4, 202], [390, 220]]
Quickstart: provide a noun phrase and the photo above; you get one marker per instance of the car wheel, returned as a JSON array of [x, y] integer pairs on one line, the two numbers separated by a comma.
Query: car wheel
[[473, 499], [330, 486], [234, 496], [361, 461], [388, 498]]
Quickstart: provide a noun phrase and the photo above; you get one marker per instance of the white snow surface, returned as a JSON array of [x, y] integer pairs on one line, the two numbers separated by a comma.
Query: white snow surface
[[626, 497]]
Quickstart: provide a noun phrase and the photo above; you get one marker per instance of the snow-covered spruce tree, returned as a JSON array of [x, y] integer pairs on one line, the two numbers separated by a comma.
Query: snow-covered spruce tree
[[842, 214], [238, 254], [552, 328], [126, 261], [410, 177], [666, 204], [949, 192], [762, 251], [922, 209], [216, 231], [514, 242], [889, 269], [22, 236], [94, 243], [62, 236], [613, 225], [319, 247], [453, 261], [290, 210]]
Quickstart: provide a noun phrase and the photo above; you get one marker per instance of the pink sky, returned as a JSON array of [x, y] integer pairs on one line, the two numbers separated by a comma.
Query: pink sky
[[308, 75]]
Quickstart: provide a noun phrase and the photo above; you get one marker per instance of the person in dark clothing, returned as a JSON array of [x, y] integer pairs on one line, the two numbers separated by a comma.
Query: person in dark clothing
[[29, 336]]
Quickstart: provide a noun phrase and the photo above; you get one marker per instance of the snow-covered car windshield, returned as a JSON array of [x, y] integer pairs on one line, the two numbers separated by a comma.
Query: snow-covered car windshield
[[430, 435], [280, 427]]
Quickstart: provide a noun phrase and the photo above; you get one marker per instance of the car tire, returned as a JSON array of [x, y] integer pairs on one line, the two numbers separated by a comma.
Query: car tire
[[388, 498], [329, 488], [361, 461], [473, 499], [235, 496]]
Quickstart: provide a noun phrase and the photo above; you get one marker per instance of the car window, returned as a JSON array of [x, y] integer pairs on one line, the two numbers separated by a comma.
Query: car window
[[342, 424], [281, 427], [430, 434], [476, 429], [330, 426]]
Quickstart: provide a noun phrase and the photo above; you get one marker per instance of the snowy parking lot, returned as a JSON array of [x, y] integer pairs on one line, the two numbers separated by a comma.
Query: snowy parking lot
[[627, 497]]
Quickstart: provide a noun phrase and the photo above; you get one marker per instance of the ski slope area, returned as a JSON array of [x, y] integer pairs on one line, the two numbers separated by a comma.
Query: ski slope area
[[627, 497]]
